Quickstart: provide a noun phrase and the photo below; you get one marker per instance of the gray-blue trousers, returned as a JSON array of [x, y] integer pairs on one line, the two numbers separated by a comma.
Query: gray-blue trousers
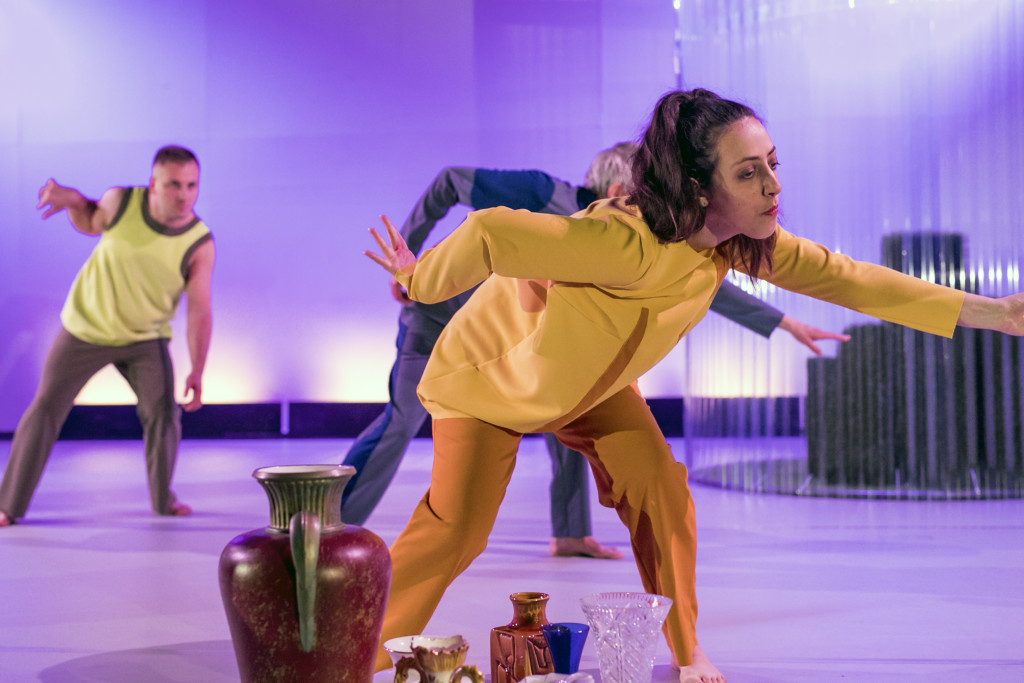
[[70, 364]]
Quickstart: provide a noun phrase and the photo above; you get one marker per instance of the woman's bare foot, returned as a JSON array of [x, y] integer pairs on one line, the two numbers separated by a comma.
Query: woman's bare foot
[[4, 519], [701, 670], [179, 510], [583, 547]]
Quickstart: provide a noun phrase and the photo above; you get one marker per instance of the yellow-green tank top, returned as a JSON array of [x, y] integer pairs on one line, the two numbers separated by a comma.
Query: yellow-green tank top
[[129, 288]]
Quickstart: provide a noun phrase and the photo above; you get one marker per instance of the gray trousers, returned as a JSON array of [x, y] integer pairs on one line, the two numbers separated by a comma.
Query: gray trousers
[[378, 450], [69, 365]]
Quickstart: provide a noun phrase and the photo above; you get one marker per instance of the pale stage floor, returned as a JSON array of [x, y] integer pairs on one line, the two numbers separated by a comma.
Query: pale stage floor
[[796, 589]]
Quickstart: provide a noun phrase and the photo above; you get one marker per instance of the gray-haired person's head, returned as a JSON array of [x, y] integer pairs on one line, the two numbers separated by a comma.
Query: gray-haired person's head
[[613, 165]]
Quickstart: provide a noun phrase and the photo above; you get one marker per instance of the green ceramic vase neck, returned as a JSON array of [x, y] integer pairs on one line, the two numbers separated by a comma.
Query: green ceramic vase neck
[[316, 489]]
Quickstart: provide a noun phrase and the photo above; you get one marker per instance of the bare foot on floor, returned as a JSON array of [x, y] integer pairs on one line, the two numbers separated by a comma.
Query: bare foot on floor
[[4, 519], [583, 547], [179, 510], [701, 670]]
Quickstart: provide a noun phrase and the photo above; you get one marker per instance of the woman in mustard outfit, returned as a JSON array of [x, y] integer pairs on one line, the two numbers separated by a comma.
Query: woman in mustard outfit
[[575, 309]]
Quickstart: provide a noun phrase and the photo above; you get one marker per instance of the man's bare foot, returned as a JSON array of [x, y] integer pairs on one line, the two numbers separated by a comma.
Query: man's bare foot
[[179, 510], [4, 519], [701, 670], [583, 547]]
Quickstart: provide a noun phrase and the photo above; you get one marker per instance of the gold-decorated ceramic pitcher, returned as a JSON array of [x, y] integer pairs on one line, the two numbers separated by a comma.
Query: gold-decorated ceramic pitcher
[[439, 661]]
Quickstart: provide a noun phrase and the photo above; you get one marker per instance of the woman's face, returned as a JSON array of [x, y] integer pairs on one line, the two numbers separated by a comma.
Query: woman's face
[[744, 193]]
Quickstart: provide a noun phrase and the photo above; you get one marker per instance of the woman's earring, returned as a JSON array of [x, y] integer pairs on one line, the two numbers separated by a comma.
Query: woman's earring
[[704, 202]]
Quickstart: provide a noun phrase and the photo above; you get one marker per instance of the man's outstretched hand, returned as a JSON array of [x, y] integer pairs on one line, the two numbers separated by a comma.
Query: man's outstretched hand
[[807, 335]]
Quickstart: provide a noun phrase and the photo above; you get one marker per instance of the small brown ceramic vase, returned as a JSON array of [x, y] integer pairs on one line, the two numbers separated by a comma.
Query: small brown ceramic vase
[[519, 649]]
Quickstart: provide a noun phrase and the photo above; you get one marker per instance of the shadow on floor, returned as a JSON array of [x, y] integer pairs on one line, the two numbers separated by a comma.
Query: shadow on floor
[[211, 661]]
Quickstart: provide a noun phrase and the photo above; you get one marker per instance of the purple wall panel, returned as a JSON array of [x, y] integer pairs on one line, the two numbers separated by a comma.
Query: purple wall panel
[[310, 118]]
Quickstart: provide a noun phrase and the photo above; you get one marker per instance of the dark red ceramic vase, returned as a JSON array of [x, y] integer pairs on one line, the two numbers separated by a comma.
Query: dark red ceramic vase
[[519, 649], [305, 596]]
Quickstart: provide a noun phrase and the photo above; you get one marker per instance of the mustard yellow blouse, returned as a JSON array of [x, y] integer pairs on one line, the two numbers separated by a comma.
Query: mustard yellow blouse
[[616, 304]]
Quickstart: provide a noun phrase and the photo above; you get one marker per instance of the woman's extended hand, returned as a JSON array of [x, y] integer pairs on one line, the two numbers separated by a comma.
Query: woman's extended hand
[[1004, 314], [395, 254], [1013, 315]]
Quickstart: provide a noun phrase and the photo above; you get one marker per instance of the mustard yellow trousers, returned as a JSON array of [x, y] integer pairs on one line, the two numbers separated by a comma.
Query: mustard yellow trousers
[[473, 461]]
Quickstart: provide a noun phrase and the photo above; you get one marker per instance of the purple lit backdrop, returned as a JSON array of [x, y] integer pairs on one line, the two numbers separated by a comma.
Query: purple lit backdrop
[[310, 118]]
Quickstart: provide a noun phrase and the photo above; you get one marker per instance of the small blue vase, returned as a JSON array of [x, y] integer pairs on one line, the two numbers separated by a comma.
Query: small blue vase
[[565, 641]]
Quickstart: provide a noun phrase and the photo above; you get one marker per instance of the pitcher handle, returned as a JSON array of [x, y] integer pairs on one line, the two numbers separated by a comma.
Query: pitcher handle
[[304, 529], [406, 664], [470, 672]]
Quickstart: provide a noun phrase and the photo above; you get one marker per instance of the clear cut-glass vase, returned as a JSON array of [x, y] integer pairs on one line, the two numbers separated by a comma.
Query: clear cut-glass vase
[[625, 628]]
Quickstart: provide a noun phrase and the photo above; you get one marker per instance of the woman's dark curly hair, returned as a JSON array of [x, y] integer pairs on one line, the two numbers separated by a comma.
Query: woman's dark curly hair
[[676, 160]]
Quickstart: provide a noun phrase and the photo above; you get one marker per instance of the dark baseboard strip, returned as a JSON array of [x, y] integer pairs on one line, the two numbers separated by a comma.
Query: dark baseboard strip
[[311, 420]]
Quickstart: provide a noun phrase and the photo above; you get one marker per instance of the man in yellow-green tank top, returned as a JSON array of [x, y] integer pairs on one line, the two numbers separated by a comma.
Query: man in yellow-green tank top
[[152, 249]]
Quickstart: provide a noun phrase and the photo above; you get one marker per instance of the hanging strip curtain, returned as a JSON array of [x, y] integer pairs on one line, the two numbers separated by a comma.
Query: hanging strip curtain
[[892, 118]]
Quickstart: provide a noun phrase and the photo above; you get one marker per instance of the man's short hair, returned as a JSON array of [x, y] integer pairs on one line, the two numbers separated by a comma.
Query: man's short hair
[[173, 154], [612, 165]]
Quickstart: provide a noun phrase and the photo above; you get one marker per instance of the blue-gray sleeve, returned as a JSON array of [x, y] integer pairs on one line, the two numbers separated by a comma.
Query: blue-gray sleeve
[[453, 185], [480, 188], [746, 309]]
